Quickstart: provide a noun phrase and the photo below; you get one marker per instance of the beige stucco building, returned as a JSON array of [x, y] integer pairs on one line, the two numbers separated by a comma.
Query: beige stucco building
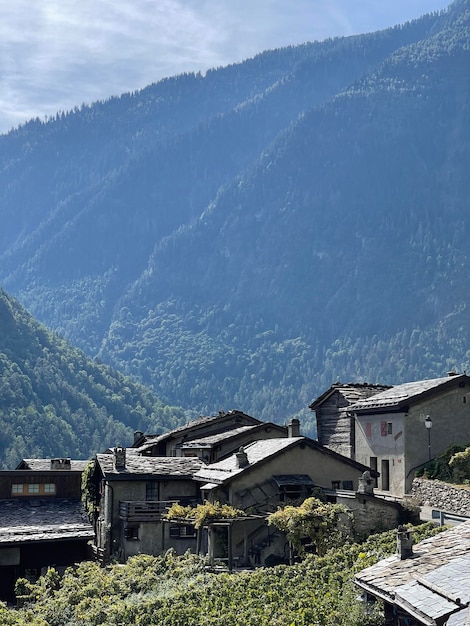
[[398, 430]]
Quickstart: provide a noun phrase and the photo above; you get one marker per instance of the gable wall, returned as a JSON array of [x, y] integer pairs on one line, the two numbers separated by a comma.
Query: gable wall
[[334, 424]]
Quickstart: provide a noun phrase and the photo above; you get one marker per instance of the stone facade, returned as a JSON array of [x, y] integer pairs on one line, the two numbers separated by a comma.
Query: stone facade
[[439, 495]]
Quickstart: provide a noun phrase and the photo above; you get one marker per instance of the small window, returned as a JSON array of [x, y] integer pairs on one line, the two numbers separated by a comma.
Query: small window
[[335, 484], [17, 489], [348, 485], [464, 399], [151, 491], [389, 428], [49, 488], [368, 430], [33, 488], [131, 533], [182, 531]]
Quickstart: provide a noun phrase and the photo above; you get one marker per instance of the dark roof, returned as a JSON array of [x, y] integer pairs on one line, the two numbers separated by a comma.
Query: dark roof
[[401, 395], [151, 440], [353, 392], [24, 520], [429, 583], [141, 467], [217, 438], [43, 465], [260, 451]]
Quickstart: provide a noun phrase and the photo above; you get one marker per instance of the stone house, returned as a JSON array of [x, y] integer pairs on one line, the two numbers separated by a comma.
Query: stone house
[[266, 474], [398, 430], [133, 493], [335, 424], [423, 585], [386, 427], [209, 437], [42, 521]]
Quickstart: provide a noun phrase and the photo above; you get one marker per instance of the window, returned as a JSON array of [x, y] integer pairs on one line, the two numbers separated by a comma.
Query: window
[[183, 531], [49, 488], [348, 484], [131, 533], [17, 489], [33, 488], [335, 484], [389, 428], [151, 491], [368, 430]]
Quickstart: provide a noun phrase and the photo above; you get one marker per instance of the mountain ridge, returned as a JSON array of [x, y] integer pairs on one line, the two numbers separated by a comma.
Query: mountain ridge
[[278, 242]]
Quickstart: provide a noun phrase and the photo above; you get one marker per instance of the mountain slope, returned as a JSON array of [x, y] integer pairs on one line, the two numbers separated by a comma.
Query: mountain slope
[[56, 402], [247, 237]]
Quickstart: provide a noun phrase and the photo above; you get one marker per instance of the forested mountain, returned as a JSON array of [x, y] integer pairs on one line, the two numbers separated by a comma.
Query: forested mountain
[[54, 401], [245, 238]]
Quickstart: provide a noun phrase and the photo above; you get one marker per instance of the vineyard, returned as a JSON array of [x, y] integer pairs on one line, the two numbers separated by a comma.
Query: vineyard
[[172, 590]]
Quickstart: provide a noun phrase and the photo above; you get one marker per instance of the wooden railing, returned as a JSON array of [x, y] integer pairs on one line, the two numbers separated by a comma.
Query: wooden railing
[[142, 511]]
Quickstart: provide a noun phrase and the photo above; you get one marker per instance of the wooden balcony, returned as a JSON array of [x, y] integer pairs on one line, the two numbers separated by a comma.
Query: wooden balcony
[[141, 511]]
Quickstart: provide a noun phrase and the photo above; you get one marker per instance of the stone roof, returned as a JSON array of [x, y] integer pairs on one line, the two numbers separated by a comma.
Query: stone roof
[[353, 392], [257, 452], [260, 451], [400, 395], [151, 440], [25, 520], [43, 465], [431, 584], [141, 467], [217, 438]]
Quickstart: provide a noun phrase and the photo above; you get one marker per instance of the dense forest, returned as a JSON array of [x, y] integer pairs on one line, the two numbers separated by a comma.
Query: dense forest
[[55, 401], [245, 238], [170, 590]]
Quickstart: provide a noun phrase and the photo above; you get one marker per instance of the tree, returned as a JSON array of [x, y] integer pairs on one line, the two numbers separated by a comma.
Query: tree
[[325, 525]]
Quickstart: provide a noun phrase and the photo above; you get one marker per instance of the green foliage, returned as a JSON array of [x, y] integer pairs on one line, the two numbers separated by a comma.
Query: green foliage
[[203, 513], [324, 524], [460, 465], [89, 489], [443, 468], [171, 590], [54, 401]]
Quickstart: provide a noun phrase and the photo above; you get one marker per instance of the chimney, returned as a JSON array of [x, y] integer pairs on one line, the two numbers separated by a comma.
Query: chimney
[[60, 464], [293, 428], [366, 484], [404, 543], [242, 458], [119, 457], [137, 435]]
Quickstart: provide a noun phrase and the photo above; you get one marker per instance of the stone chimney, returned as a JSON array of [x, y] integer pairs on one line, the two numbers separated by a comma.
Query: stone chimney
[[366, 484], [404, 543], [293, 428], [137, 435], [242, 458], [119, 457], [60, 464]]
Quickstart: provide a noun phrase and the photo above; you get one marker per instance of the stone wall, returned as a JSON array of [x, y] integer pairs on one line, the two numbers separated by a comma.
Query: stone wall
[[439, 495]]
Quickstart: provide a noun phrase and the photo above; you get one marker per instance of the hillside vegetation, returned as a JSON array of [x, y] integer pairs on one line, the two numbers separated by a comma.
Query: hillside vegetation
[[54, 401], [247, 237], [170, 590]]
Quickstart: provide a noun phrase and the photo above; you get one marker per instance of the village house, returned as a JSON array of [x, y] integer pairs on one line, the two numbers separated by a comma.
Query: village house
[[423, 585], [133, 493], [42, 521], [396, 430], [273, 472], [335, 424], [210, 438]]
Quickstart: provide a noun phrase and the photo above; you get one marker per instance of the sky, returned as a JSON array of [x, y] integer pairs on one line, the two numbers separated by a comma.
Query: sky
[[57, 54]]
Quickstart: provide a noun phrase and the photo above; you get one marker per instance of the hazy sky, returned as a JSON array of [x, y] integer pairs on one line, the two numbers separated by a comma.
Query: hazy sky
[[55, 54]]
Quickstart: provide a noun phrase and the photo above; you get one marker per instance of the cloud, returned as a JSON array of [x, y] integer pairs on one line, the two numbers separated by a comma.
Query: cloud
[[55, 54]]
